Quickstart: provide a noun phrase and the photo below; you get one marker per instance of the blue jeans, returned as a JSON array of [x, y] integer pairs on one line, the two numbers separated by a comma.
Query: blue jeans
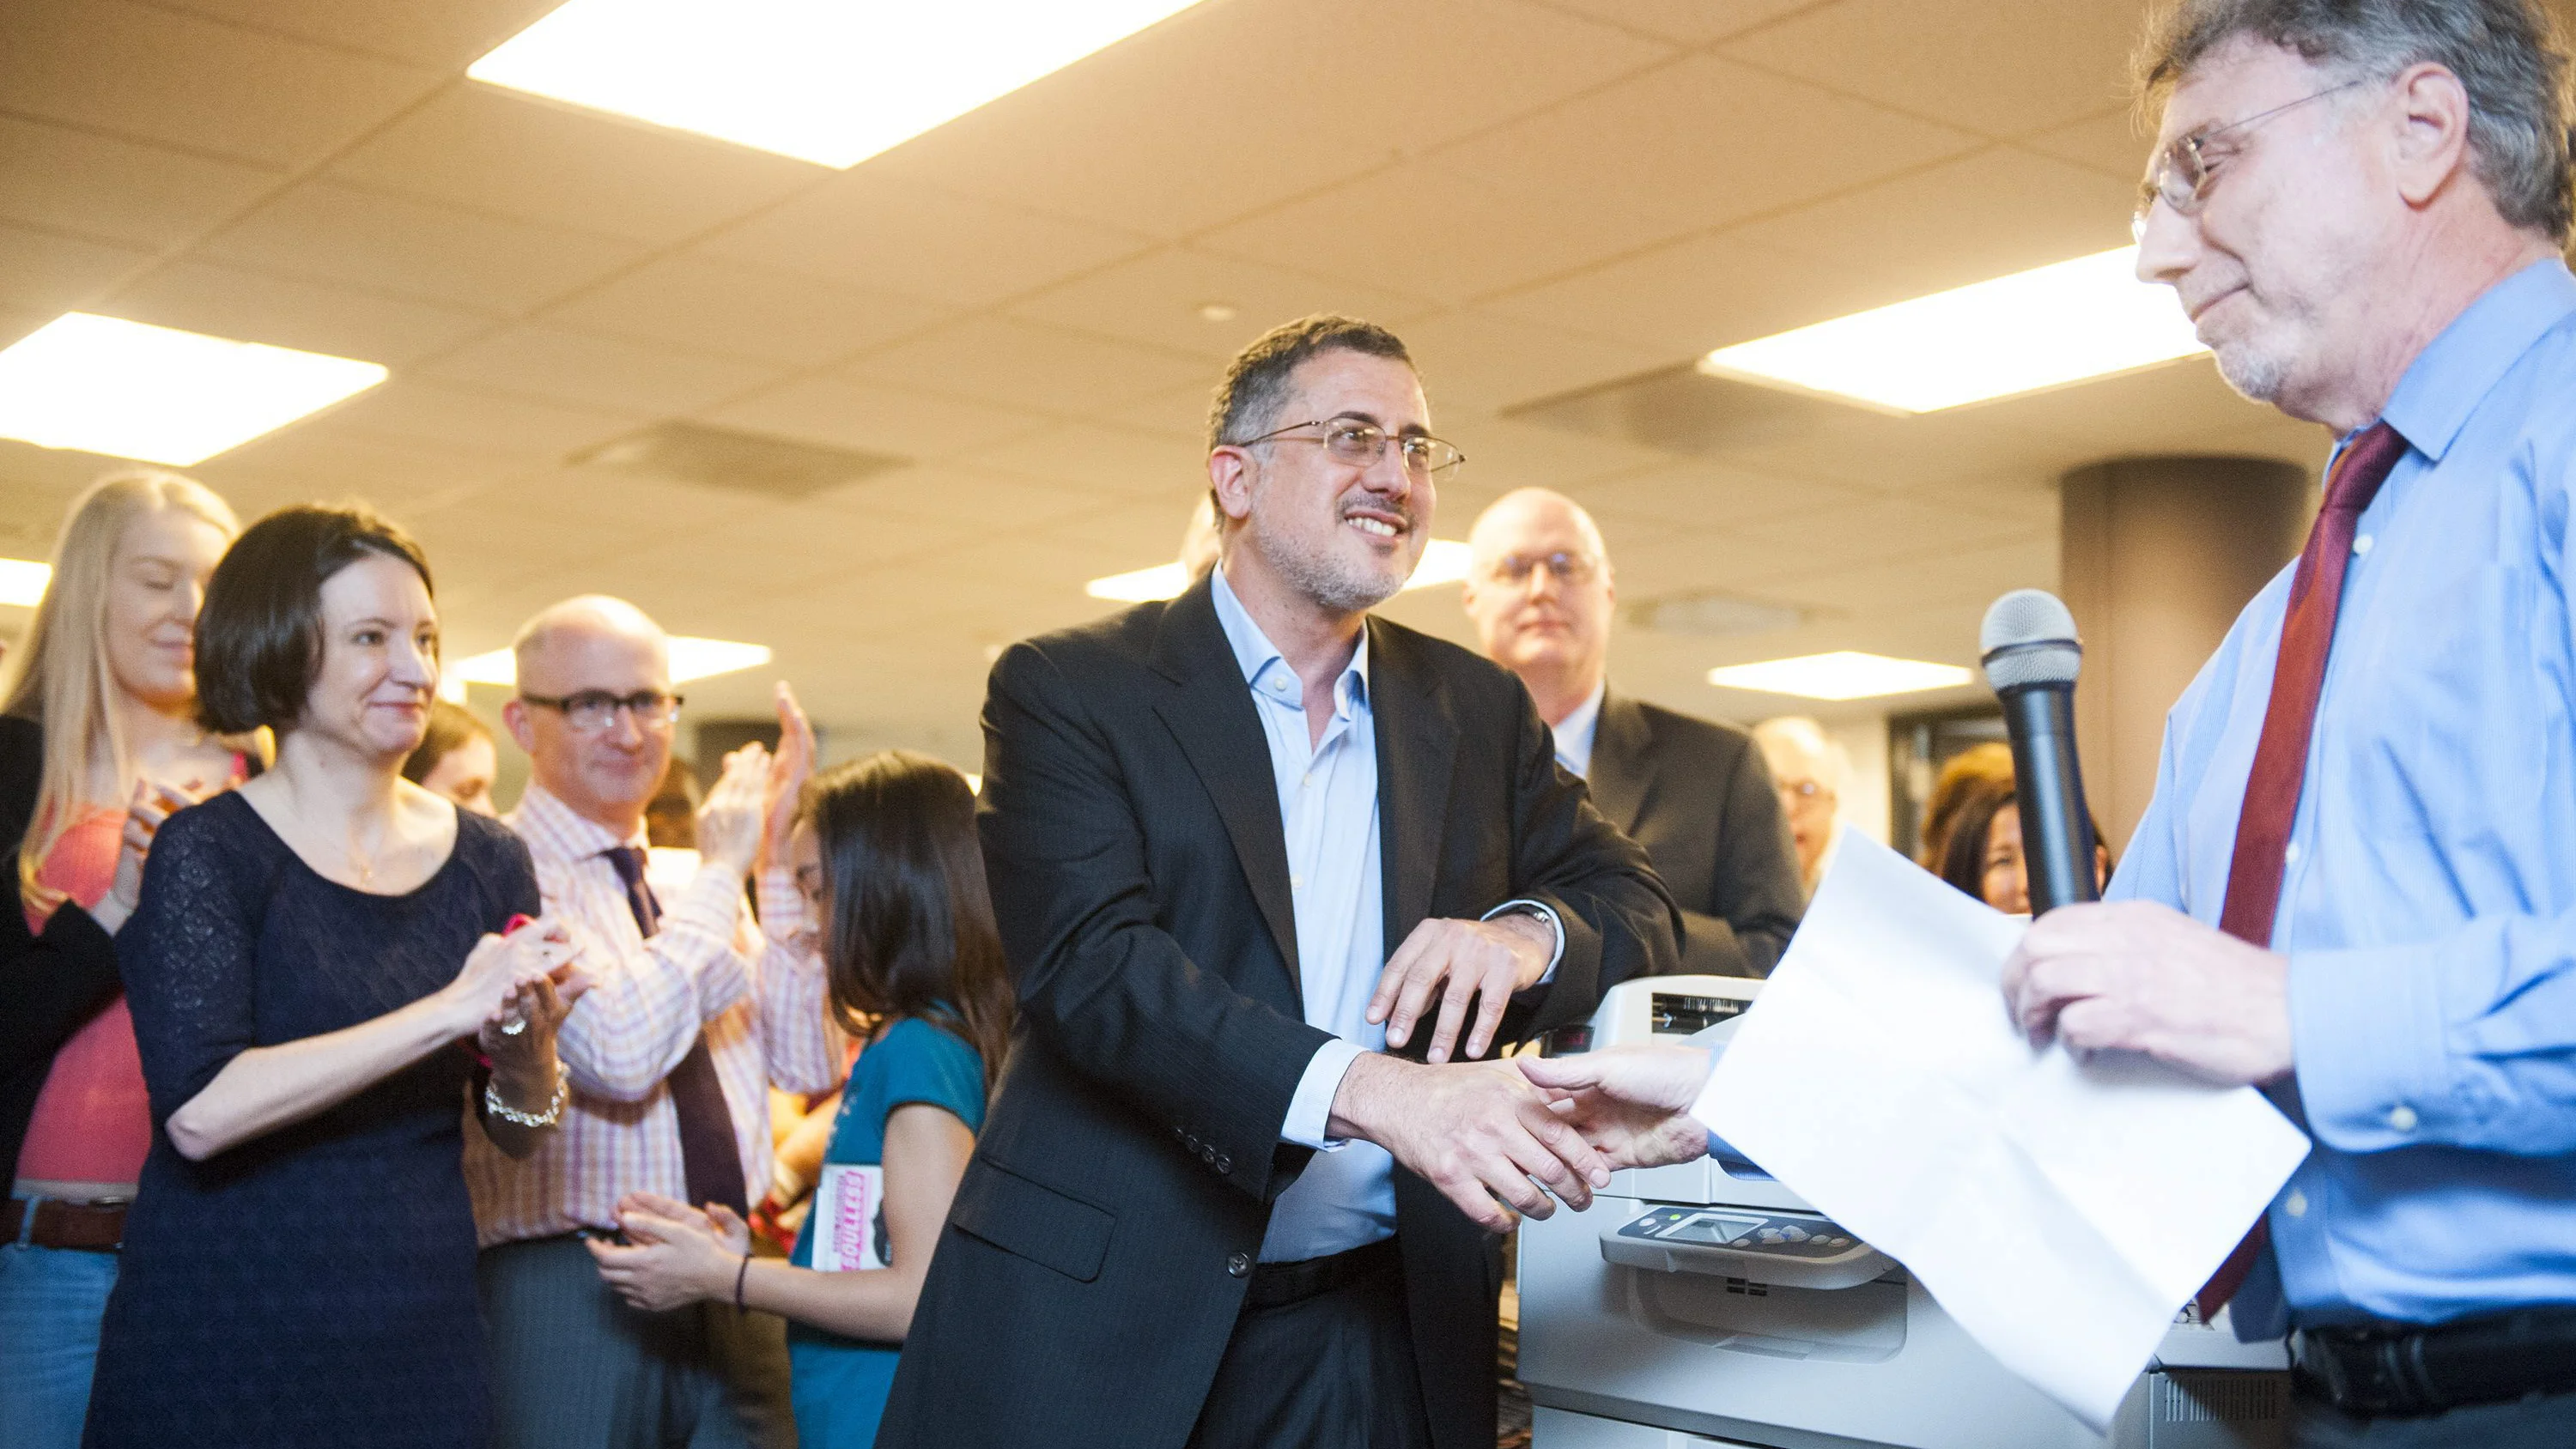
[[50, 1303]]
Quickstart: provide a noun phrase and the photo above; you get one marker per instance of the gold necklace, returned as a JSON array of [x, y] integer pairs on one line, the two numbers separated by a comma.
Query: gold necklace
[[361, 864]]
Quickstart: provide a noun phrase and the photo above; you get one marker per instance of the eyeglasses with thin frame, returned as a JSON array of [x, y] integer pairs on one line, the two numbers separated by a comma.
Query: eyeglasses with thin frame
[[1564, 565], [1360, 444], [2184, 170], [591, 710]]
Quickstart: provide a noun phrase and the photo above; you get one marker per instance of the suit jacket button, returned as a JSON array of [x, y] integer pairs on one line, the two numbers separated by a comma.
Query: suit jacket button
[[1239, 1264], [1224, 1163]]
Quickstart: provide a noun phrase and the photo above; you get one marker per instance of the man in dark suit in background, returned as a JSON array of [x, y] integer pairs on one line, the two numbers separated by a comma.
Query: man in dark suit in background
[[1208, 1208], [1694, 793]]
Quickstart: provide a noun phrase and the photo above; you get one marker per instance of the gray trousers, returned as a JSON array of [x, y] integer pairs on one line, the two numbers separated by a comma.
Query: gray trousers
[[2547, 1422], [573, 1367]]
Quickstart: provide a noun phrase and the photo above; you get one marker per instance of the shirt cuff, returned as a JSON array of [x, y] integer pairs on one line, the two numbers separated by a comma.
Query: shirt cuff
[[781, 904], [1548, 912], [2367, 1038], [1310, 1112]]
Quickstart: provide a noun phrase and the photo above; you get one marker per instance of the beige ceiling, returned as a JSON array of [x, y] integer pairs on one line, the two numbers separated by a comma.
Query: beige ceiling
[[1539, 196]]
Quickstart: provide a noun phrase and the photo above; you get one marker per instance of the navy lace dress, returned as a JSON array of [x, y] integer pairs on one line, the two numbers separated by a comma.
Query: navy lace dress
[[314, 1286]]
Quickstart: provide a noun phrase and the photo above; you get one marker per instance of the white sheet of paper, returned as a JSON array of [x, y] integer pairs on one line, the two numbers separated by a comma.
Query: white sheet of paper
[[848, 1203], [2062, 1213]]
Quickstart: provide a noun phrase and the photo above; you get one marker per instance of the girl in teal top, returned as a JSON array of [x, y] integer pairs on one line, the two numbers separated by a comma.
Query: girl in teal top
[[885, 852]]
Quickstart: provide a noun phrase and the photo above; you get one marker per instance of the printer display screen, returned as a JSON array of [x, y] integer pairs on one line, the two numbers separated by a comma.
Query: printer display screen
[[1709, 1228]]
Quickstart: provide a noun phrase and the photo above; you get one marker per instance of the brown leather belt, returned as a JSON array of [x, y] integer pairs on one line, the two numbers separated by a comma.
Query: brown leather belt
[[86, 1226]]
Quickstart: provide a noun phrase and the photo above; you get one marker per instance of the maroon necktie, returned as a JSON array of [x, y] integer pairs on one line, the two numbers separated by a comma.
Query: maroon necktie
[[2281, 756], [709, 1160]]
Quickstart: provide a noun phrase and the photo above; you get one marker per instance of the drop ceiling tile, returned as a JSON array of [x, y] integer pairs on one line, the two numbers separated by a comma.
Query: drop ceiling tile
[[1881, 529], [1424, 229], [1106, 459], [1226, 108], [1708, 495], [1179, 412], [1503, 454], [2003, 67], [1700, 143], [446, 36], [1998, 211], [563, 366], [1476, 360], [852, 412], [254, 307], [862, 230], [1696, 294], [972, 501], [322, 463], [159, 75], [44, 272], [486, 149], [2115, 144], [2170, 408], [1155, 299], [1019, 364], [333, 232], [118, 190], [711, 305], [1893, 454], [534, 433], [1690, 22]]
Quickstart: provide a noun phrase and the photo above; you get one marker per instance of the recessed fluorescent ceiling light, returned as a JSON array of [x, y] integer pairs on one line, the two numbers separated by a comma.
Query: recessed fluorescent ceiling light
[[2043, 328], [690, 659], [1444, 561], [828, 81], [1843, 674], [22, 581], [130, 390]]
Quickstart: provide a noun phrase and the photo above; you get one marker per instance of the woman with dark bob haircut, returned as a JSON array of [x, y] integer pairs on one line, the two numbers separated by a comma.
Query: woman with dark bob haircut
[[312, 960], [885, 851]]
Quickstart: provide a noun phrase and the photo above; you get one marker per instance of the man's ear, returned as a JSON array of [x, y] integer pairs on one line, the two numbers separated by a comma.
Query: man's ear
[[1230, 472], [514, 718], [2432, 136]]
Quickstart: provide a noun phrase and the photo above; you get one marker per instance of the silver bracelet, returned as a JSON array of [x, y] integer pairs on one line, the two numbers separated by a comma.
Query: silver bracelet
[[493, 1104]]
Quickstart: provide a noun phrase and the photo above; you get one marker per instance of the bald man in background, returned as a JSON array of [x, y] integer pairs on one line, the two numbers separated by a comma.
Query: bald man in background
[[1693, 792], [696, 1012]]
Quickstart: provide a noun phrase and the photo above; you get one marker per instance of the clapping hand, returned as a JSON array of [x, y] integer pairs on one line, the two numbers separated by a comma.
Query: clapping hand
[[730, 823], [1631, 1103], [153, 803], [674, 1254], [789, 769]]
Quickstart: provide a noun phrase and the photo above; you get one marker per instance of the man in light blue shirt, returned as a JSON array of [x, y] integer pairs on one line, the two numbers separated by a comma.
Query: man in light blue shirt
[[2364, 216]]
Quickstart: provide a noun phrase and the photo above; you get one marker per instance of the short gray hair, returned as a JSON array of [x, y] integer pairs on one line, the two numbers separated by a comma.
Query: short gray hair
[[1255, 386], [2507, 54]]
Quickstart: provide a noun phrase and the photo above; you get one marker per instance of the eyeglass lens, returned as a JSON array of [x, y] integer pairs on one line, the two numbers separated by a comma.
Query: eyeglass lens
[[1565, 568]]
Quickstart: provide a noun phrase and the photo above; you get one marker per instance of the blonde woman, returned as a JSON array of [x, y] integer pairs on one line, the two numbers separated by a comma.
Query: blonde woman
[[98, 742]]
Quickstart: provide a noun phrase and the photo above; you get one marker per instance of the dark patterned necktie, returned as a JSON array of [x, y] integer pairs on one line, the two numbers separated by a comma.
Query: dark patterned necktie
[[710, 1160], [2281, 756]]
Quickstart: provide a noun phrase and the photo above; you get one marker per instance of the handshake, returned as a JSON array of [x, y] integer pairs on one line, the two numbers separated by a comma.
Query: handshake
[[1522, 1134]]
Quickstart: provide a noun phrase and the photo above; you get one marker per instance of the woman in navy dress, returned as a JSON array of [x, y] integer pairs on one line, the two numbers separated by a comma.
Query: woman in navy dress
[[312, 960]]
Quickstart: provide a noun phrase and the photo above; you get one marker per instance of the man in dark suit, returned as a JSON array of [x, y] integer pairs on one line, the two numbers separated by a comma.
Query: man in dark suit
[[1693, 792], [1208, 1209]]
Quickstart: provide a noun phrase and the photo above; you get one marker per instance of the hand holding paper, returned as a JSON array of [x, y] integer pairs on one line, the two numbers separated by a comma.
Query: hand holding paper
[[2060, 1211]]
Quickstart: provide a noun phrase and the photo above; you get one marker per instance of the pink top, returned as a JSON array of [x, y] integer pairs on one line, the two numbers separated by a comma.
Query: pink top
[[93, 1120]]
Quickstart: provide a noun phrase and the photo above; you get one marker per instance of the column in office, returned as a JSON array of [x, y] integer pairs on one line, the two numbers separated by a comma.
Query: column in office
[[2155, 557]]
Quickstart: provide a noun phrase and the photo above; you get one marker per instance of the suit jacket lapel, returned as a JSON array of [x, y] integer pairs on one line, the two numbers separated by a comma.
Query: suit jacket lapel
[[1210, 713], [1619, 776], [1416, 752]]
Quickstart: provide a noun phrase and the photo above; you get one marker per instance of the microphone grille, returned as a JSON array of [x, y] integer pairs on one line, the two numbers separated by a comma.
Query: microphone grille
[[2029, 638]]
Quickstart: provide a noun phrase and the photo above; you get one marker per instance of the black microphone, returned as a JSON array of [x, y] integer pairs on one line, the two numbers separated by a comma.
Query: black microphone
[[2031, 655]]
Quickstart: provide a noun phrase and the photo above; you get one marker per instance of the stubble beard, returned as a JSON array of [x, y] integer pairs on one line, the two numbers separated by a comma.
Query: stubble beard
[[1334, 584]]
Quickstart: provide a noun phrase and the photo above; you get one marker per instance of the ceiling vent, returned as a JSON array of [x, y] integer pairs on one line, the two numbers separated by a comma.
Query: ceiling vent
[[741, 462], [1680, 409], [1715, 614]]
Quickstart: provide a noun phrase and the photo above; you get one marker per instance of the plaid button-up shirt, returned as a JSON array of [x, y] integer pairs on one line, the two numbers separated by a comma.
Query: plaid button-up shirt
[[709, 968]]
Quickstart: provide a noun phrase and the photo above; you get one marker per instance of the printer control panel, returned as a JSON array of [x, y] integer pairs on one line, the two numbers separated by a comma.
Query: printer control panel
[[1797, 1237], [1790, 1249]]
